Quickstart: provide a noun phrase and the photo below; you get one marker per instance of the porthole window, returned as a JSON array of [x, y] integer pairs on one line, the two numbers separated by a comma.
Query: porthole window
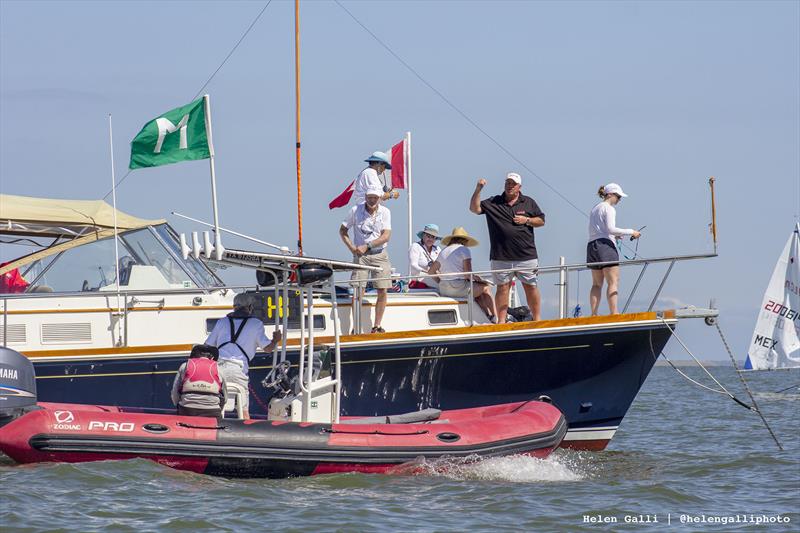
[[442, 317]]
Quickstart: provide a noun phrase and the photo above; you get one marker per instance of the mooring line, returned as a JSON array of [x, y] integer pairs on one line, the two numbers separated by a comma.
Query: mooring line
[[753, 407], [746, 386]]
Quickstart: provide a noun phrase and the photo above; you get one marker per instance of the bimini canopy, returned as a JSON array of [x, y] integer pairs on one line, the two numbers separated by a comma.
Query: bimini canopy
[[47, 217]]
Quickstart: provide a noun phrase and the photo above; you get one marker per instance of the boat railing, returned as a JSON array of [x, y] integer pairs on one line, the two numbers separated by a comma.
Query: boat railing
[[132, 297], [562, 270]]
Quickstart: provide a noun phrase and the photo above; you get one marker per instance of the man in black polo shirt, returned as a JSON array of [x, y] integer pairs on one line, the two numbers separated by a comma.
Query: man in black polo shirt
[[511, 217]]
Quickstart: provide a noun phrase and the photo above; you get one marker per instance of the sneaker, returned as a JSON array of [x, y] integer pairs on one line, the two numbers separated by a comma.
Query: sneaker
[[493, 319], [378, 329]]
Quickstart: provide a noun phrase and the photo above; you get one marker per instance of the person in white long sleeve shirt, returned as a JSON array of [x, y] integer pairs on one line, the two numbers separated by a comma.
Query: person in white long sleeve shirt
[[370, 178], [601, 248], [421, 256]]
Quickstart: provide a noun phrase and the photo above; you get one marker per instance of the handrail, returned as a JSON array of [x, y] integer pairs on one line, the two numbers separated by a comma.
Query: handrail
[[563, 271], [133, 292], [574, 267]]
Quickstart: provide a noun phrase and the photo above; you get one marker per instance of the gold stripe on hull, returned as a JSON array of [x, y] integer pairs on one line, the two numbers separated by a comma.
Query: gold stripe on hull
[[400, 335]]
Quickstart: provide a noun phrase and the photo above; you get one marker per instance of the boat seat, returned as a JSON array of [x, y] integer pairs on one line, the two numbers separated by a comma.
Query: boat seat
[[414, 417], [235, 401]]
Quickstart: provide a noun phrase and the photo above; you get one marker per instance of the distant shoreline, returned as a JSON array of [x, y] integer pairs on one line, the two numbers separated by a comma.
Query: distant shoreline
[[688, 362]]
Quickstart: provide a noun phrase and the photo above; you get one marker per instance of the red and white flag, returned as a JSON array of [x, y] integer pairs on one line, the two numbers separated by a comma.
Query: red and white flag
[[398, 159], [344, 198]]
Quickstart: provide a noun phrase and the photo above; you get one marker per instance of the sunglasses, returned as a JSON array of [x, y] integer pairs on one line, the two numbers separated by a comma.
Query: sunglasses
[[429, 235]]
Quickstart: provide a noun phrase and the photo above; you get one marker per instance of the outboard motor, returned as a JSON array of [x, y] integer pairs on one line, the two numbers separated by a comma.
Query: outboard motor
[[17, 383]]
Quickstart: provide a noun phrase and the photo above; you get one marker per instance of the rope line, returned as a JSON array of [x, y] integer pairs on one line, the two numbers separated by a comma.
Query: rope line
[[233, 49], [679, 371], [701, 364], [746, 386], [252, 24], [459, 111], [753, 407], [466, 117]]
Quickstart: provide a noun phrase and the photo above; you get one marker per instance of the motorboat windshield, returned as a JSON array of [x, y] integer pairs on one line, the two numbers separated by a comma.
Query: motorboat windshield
[[149, 259]]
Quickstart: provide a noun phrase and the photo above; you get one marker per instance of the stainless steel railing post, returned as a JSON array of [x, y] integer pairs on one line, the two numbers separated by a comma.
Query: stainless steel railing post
[[470, 301], [562, 288], [633, 291], [661, 286]]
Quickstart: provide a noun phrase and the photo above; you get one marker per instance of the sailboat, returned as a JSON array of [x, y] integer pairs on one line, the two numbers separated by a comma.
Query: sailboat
[[776, 339]]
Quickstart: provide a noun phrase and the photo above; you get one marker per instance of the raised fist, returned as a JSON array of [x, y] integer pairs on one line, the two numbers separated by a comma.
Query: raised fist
[[481, 183]]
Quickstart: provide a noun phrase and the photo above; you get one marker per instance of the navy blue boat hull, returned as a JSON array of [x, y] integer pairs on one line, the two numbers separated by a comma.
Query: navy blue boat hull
[[592, 375]]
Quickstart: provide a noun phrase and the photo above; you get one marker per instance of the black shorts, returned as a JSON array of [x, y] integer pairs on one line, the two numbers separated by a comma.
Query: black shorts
[[601, 251]]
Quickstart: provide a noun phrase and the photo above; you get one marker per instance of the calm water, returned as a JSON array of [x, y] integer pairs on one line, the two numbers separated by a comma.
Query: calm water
[[681, 450]]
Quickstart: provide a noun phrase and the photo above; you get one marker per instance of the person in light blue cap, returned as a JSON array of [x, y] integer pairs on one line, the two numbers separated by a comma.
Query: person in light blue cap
[[421, 256], [371, 177]]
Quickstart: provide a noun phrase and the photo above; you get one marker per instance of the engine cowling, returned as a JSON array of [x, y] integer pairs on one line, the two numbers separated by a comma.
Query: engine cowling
[[17, 382]]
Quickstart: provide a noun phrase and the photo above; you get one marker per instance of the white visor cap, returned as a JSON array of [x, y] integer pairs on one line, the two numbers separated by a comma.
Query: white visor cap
[[613, 188], [515, 177]]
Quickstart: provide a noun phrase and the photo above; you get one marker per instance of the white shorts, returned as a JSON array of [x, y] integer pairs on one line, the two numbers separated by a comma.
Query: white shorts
[[235, 378], [454, 288], [527, 271]]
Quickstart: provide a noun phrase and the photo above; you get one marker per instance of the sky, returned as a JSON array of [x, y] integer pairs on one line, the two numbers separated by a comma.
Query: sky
[[657, 96]]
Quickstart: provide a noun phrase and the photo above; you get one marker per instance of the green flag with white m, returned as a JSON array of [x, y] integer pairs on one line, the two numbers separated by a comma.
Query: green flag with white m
[[175, 136]]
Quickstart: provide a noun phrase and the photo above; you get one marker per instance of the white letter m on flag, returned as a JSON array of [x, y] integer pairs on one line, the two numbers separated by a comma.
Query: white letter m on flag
[[165, 127]]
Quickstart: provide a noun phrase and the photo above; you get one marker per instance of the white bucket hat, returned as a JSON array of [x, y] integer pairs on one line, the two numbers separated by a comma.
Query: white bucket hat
[[374, 191], [613, 188]]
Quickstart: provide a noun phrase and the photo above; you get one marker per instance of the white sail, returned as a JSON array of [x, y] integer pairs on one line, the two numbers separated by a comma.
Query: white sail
[[776, 339]]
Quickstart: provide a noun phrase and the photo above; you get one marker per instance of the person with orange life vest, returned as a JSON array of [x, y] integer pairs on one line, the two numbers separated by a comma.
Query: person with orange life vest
[[238, 336], [199, 388]]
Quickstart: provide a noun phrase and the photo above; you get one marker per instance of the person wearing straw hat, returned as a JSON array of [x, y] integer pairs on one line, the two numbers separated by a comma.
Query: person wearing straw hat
[[454, 259], [370, 177], [372, 227], [421, 256], [601, 248], [511, 217]]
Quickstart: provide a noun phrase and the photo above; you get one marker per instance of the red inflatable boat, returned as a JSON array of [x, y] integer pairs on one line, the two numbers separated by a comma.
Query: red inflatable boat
[[32, 432], [260, 448]]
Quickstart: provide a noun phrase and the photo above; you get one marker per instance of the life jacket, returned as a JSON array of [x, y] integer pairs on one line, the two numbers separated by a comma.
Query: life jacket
[[201, 377], [235, 335]]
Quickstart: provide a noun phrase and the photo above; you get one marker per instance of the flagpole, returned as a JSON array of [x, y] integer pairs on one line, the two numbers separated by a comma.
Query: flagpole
[[114, 205], [218, 249], [407, 159], [297, 124]]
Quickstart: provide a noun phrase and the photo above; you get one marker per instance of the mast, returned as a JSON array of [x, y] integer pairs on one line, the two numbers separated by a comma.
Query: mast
[[297, 124]]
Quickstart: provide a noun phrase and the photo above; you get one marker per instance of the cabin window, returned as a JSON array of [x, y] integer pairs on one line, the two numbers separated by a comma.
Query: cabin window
[[146, 250], [442, 317], [319, 322], [85, 268]]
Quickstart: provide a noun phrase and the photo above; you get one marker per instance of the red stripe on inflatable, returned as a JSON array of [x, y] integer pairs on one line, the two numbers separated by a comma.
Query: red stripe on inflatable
[[343, 468]]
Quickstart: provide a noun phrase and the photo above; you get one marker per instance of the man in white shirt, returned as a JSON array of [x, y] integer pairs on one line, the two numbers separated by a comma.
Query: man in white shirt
[[372, 227], [370, 178], [238, 336]]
